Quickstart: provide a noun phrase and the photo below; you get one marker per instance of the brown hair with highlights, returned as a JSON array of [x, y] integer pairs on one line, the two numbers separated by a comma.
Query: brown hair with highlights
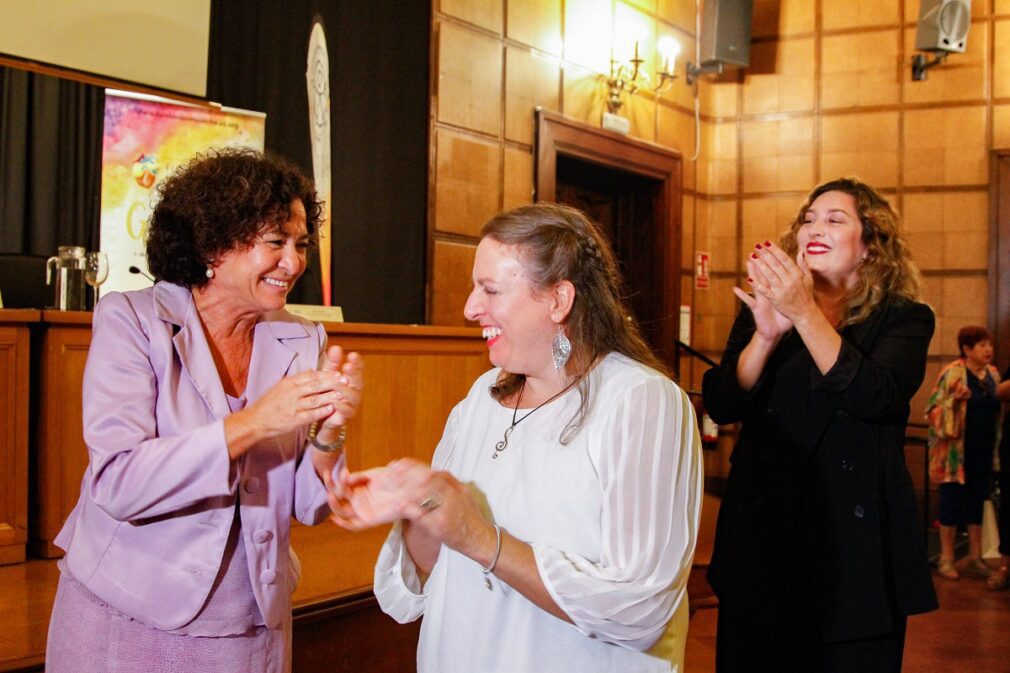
[[557, 243], [888, 269]]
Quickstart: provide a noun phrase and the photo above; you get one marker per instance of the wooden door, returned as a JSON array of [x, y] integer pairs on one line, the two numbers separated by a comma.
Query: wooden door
[[999, 255], [623, 204], [633, 189]]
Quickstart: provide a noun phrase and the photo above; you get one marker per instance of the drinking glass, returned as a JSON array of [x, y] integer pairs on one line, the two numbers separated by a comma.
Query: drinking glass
[[96, 270]]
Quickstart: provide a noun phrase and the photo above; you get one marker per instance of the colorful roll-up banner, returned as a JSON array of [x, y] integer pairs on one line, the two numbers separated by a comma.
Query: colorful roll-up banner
[[145, 139]]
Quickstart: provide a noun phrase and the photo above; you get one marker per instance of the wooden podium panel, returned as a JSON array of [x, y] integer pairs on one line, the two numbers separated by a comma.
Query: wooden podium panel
[[61, 456], [413, 378], [414, 375], [14, 391]]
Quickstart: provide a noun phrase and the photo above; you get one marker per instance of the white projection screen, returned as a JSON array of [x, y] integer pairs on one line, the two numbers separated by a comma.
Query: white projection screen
[[159, 44]]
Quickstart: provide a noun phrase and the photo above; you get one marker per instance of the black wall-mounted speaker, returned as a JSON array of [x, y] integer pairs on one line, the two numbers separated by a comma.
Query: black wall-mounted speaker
[[725, 32], [943, 25]]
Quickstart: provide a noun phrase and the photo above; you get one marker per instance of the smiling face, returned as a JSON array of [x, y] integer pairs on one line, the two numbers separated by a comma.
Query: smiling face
[[258, 278], [831, 238], [516, 318]]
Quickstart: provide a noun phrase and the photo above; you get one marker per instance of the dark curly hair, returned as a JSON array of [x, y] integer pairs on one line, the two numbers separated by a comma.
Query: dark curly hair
[[221, 200]]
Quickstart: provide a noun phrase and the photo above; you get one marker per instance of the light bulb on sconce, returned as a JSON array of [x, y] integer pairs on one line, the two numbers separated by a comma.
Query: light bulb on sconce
[[669, 50]]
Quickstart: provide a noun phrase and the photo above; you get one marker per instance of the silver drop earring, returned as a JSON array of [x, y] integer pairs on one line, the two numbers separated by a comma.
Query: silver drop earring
[[561, 349], [210, 272]]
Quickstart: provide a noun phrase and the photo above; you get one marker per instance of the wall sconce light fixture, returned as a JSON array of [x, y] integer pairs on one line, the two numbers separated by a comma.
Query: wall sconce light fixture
[[630, 76]]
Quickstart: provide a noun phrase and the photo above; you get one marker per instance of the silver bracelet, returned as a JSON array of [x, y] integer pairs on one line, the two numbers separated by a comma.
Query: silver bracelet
[[337, 445], [494, 561]]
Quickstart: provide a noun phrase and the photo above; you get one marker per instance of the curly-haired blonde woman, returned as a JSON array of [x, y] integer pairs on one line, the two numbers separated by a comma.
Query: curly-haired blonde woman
[[818, 554]]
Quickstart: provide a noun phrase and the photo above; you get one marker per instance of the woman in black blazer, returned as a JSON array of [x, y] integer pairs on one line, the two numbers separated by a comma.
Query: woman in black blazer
[[818, 553]]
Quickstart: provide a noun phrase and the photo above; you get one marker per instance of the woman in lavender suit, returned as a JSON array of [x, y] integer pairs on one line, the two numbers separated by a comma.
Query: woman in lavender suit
[[212, 416]]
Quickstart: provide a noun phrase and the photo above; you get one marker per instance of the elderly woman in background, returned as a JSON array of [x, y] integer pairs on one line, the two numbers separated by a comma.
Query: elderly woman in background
[[556, 528], [964, 421], [818, 555], [211, 417]]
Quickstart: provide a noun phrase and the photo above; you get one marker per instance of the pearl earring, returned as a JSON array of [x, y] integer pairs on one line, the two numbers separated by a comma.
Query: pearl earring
[[210, 272]]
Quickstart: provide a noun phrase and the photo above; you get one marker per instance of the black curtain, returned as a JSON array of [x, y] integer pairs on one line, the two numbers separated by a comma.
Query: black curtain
[[50, 162], [379, 114]]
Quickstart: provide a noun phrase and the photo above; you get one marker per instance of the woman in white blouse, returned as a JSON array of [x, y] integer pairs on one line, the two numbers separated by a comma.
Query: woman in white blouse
[[556, 526]]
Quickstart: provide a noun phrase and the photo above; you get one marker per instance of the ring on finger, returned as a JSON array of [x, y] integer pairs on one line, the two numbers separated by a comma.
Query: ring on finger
[[431, 503]]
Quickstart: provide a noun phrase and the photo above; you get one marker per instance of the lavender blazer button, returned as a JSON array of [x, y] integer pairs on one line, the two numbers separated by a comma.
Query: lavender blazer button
[[262, 535], [268, 576], [252, 484]]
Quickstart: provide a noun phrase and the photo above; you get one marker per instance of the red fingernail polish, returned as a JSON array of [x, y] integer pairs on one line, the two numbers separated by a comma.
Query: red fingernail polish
[[753, 255], [757, 245], [768, 244], [750, 280]]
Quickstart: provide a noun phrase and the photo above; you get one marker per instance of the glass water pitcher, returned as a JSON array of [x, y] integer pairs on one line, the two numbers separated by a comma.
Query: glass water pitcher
[[68, 268]]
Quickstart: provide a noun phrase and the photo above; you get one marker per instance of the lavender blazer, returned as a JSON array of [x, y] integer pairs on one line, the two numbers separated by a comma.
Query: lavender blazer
[[158, 497]]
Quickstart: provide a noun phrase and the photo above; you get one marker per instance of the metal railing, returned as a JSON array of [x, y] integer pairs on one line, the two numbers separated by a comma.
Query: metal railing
[[680, 347]]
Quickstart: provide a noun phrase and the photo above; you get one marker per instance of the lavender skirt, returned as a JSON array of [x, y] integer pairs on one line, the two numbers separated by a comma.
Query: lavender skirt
[[86, 635]]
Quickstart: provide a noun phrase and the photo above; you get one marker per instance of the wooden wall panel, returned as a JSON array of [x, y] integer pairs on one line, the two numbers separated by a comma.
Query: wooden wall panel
[[773, 18], [1001, 57], [1001, 123], [828, 93], [484, 13], [863, 144], [518, 184], [469, 79], [859, 13], [781, 77], [531, 79], [861, 69], [536, 23], [946, 146], [468, 175], [555, 54], [454, 263]]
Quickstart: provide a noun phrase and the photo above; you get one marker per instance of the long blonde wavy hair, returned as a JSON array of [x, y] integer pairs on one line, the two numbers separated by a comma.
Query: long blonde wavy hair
[[888, 269]]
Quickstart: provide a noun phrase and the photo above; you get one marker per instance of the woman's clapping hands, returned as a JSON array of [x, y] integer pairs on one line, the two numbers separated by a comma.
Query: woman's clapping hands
[[445, 508], [783, 290], [329, 395]]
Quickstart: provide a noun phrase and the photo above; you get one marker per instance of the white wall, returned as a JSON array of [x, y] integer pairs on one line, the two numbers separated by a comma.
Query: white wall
[[161, 44]]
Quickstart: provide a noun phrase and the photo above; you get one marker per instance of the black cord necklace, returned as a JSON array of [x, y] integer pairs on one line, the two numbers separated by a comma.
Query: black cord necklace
[[504, 443]]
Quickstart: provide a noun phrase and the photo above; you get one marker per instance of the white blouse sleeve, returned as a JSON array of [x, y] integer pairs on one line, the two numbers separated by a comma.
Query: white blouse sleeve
[[396, 583], [649, 462]]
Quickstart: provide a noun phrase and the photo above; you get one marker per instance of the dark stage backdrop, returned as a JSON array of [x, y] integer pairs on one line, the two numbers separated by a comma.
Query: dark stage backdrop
[[50, 162], [379, 100]]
